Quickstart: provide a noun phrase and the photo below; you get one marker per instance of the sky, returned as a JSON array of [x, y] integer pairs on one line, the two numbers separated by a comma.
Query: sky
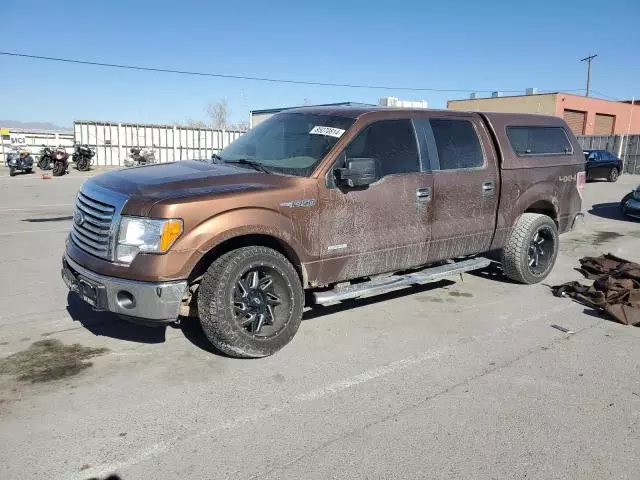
[[405, 43]]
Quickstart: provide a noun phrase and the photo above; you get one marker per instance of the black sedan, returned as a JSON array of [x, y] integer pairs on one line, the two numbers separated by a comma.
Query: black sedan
[[602, 164], [630, 204]]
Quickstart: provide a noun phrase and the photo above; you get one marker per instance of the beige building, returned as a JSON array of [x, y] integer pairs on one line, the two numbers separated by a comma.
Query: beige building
[[584, 115]]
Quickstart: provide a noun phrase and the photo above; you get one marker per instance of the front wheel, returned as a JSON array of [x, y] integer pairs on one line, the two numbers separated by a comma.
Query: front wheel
[[250, 302], [531, 250], [613, 175], [59, 168], [43, 163], [12, 171], [82, 164], [28, 170]]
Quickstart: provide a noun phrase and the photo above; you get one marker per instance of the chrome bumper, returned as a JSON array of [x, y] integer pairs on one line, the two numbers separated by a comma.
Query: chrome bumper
[[156, 302]]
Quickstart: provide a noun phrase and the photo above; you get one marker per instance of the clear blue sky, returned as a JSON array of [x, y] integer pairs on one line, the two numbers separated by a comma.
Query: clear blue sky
[[448, 44]]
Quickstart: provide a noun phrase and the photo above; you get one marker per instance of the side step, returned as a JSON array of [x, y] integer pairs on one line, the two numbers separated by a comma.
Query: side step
[[394, 282]]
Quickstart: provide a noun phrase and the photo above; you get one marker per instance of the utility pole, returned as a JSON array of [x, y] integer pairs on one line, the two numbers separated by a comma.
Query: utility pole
[[588, 60]]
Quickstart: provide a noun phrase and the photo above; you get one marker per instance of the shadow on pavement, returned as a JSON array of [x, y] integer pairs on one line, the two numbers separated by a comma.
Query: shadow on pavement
[[609, 211], [493, 272], [107, 324]]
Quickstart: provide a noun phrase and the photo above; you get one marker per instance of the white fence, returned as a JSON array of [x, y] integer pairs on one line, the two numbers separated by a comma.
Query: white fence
[[33, 140], [112, 141]]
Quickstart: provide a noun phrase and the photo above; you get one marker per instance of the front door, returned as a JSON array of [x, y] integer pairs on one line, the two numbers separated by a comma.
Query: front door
[[384, 227], [465, 184]]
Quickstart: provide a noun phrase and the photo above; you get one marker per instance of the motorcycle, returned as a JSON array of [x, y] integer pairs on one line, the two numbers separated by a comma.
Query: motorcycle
[[19, 160], [139, 157], [82, 156], [46, 158], [58, 158]]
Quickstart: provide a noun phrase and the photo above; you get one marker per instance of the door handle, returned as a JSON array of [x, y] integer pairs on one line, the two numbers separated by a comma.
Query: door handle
[[488, 188], [423, 194]]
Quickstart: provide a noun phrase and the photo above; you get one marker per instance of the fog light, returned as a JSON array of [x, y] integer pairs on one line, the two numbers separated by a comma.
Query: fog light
[[126, 299]]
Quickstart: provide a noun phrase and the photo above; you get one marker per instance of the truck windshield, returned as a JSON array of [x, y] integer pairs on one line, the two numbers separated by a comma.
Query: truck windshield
[[288, 143]]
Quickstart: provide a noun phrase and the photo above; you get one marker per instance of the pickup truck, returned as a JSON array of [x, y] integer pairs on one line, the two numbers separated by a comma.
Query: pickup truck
[[319, 205]]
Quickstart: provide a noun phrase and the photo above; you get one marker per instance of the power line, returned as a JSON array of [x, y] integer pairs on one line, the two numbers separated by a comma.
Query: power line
[[244, 77]]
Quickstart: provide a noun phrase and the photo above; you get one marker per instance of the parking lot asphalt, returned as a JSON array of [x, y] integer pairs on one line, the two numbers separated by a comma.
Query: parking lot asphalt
[[461, 379]]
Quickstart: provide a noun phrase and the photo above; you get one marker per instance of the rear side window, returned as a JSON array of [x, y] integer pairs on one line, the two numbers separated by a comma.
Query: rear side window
[[539, 140], [457, 144]]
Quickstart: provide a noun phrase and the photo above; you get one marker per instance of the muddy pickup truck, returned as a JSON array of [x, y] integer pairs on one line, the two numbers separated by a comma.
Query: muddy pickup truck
[[318, 205]]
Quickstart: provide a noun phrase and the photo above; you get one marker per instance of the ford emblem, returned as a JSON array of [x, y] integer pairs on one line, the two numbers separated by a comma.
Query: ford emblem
[[78, 218]]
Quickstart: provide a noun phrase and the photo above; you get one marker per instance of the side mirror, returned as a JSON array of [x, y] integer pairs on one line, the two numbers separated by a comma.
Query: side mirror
[[359, 172]]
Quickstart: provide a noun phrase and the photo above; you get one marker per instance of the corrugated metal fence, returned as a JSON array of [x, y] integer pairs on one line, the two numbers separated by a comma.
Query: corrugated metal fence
[[627, 147], [112, 141]]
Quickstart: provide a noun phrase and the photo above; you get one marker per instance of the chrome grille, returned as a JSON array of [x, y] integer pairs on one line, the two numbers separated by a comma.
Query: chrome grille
[[92, 222]]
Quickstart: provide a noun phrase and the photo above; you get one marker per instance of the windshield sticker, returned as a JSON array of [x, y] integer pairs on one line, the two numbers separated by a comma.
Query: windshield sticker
[[328, 131]]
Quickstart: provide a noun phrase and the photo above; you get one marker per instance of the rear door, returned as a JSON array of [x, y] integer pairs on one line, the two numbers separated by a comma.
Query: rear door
[[385, 226], [465, 184]]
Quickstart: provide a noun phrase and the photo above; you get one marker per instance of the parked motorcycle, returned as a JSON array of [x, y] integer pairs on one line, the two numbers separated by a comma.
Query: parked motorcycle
[[82, 156], [57, 158], [139, 157], [46, 158], [19, 160]]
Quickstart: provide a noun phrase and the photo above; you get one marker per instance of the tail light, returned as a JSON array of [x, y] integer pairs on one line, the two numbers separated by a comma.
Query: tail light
[[581, 179]]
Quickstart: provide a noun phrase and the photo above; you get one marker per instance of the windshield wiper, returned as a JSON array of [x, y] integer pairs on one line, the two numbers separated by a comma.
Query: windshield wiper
[[255, 165]]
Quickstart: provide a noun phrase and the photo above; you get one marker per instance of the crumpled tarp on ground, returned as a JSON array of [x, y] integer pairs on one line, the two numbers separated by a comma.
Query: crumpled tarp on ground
[[616, 289]]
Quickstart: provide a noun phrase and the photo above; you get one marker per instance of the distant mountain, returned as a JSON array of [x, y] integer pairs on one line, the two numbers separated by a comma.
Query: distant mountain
[[32, 125]]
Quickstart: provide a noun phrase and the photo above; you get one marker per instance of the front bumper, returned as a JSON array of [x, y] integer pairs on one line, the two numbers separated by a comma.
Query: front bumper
[[632, 208], [155, 302]]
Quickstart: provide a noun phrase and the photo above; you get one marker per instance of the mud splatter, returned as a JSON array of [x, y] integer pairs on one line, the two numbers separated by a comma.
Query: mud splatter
[[48, 360], [461, 294]]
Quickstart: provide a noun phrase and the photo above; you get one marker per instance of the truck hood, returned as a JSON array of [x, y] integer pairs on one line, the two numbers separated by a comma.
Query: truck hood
[[145, 186], [184, 178]]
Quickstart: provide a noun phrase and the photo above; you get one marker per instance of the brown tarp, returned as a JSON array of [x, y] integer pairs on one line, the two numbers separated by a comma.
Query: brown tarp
[[616, 289]]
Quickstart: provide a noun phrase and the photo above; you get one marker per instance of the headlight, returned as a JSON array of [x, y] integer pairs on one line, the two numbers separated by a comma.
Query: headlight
[[146, 235]]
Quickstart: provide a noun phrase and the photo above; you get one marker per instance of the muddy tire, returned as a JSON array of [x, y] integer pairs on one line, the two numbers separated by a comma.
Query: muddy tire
[[613, 176], [250, 302], [12, 171], [59, 169], [531, 250]]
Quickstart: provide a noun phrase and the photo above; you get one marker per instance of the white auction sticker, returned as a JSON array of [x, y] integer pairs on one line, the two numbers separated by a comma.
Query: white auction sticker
[[329, 131]]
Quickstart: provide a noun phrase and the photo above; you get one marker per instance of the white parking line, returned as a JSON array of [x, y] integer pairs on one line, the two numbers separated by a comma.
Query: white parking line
[[26, 209], [5, 234], [158, 449]]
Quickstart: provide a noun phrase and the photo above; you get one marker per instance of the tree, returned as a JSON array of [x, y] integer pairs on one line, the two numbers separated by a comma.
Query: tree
[[196, 123], [219, 114], [242, 125]]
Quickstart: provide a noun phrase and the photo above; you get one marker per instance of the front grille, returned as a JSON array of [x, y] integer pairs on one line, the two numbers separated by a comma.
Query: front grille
[[91, 230]]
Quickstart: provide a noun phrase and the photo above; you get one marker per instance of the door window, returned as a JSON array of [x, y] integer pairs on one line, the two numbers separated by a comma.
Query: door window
[[457, 144], [392, 143]]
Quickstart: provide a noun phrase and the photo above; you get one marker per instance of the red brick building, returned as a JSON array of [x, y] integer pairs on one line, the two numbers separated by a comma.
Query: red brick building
[[585, 115]]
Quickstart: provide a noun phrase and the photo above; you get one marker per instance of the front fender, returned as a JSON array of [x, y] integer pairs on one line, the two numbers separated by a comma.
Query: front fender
[[239, 222]]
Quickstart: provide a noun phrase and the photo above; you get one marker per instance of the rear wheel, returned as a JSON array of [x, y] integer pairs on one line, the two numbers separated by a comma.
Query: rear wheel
[[29, 170], [250, 302], [58, 169], [531, 250], [613, 175]]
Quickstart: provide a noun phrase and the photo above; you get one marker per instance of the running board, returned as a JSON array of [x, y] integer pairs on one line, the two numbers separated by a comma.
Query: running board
[[394, 282]]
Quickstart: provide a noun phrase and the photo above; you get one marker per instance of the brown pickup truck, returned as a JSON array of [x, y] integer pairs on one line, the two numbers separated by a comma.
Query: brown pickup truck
[[319, 205]]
